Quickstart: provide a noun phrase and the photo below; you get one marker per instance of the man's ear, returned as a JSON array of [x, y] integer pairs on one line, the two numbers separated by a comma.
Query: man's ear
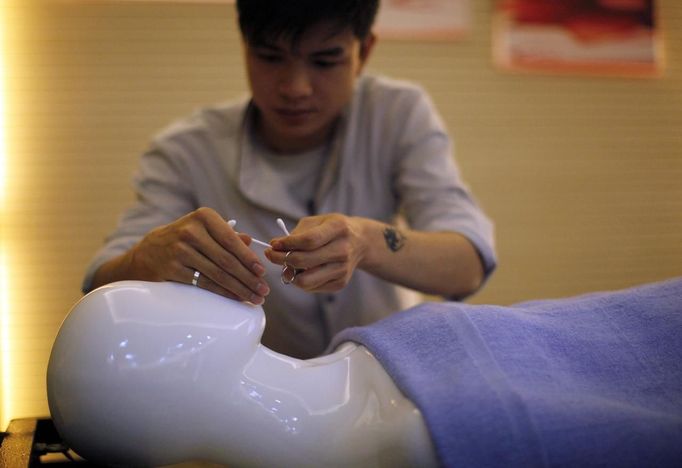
[[366, 47]]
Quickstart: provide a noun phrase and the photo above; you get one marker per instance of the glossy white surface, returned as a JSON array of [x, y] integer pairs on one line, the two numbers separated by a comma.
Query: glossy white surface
[[161, 373]]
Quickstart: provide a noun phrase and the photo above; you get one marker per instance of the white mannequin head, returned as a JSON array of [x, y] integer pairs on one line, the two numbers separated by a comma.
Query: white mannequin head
[[161, 373], [120, 353]]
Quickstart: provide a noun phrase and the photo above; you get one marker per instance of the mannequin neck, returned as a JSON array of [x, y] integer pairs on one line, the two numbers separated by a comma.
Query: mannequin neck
[[319, 384], [341, 408]]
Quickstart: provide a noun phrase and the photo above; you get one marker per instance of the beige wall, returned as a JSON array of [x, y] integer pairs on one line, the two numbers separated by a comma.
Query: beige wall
[[582, 175]]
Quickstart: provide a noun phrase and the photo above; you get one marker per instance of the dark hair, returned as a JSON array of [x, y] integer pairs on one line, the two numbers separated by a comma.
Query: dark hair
[[266, 20]]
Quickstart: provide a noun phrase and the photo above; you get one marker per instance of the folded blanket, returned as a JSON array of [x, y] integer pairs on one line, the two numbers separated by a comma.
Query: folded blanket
[[594, 380]]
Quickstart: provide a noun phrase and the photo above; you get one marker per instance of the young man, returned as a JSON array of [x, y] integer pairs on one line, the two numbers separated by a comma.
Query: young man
[[337, 155]]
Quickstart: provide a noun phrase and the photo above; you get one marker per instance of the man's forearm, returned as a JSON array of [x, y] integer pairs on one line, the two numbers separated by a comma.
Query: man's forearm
[[440, 263]]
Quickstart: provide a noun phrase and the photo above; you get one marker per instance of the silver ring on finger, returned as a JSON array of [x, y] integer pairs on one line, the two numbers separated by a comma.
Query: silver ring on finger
[[288, 272], [195, 278]]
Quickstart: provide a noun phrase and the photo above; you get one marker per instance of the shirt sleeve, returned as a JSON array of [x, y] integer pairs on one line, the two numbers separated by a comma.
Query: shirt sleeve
[[163, 195], [428, 182]]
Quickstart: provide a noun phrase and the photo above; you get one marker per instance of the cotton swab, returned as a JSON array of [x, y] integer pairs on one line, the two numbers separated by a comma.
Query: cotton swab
[[281, 224], [256, 241], [233, 222]]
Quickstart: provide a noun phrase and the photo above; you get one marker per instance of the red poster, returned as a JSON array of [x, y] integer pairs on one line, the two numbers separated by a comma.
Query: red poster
[[606, 37]]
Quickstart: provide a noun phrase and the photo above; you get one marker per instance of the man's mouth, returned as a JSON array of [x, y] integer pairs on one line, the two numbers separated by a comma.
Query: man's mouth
[[294, 112]]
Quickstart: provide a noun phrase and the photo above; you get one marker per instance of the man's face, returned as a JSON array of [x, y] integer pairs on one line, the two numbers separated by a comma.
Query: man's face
[[301, 89]]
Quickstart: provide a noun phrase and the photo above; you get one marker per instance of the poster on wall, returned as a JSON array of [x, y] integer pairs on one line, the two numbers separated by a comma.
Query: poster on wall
[[596, 37], [423, 19]]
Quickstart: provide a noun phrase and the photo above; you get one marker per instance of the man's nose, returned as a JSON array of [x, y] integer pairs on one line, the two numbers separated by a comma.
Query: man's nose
[[295, 82]]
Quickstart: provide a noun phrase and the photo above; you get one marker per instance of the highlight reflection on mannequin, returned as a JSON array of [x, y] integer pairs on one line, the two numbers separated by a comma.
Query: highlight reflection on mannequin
[[178, 374]]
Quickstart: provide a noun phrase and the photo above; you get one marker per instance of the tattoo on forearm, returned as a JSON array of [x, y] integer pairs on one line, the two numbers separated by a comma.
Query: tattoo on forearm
[[395, 240]]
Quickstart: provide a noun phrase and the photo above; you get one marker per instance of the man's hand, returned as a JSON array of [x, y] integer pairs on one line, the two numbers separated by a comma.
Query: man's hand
[[200, 241], [325, 250]]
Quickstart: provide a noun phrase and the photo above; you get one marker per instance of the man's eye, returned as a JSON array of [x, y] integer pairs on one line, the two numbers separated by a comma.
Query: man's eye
[[270, 58], [324, 63]]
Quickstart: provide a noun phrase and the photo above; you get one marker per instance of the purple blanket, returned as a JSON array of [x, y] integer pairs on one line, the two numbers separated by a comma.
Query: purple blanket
[[594, 380]]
